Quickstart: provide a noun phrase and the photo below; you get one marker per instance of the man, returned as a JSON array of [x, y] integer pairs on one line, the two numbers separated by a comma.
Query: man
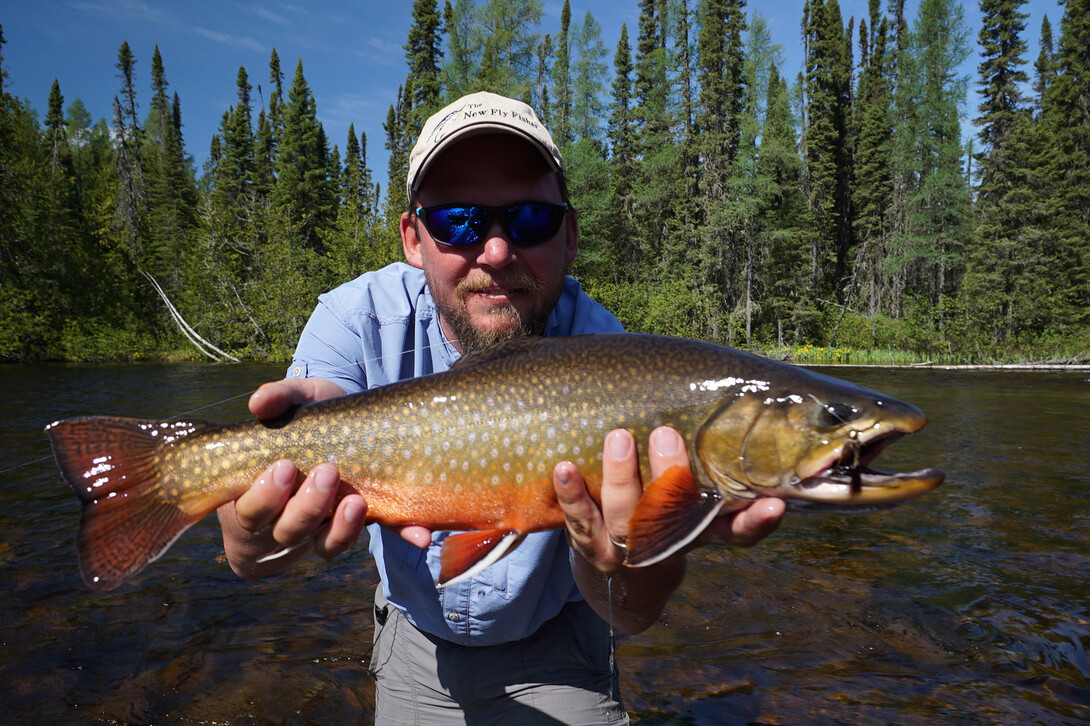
[[487, 240]]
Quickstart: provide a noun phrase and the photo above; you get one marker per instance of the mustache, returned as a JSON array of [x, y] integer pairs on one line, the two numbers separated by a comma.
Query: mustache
[[514, 281]]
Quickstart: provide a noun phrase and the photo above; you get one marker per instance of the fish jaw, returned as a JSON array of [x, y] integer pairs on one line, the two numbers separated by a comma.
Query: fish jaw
[[840, 478], [833, 491]]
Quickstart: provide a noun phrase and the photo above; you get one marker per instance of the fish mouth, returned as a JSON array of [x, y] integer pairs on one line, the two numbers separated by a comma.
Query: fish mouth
[[847, 481]]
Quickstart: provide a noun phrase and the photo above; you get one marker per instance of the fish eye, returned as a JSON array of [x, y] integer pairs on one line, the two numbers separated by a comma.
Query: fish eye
[[835, 414]]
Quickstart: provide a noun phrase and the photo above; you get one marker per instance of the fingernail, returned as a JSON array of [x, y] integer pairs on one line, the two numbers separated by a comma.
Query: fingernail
[[283, 474], [619, 445], [353, 511], [325, 481], [667, 441], [563, 475]]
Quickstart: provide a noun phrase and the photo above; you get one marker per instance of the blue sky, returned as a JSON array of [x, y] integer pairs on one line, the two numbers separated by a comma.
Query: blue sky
[[351, 51]]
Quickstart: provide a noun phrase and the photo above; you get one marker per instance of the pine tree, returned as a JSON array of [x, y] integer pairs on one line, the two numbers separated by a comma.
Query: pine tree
[[937, 207], [542, 102], [462, 57], [507, 35], [302, 192], [170, 187], [873, 191], [562, 81], [1066, 166], [589, 81], [424, 53], [236, 171], [786, 306], [132, 197], [276, 104], [1002, 48], [54, 124], [828, 163], [622, 252], [1044, 67], [720, 59], [397, 164]]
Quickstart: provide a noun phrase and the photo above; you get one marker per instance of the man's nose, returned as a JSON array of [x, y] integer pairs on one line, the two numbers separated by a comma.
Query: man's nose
[[498, 251]]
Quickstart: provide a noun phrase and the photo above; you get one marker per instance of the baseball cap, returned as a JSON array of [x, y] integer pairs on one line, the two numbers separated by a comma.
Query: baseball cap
[[472, 115]]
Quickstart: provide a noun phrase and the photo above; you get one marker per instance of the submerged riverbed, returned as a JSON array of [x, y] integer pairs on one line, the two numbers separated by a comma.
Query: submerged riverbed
[[969, 605]]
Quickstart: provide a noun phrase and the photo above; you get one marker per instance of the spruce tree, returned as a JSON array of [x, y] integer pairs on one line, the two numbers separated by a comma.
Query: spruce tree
[[562, 81], [1001, 77], [937, 210], [54, 125], [302, 190], [424, 53], [588, 84], [1044, 67], [508, 37], [623, 259], [132, 196], [1066, 121], [873, 190], [462, 56]]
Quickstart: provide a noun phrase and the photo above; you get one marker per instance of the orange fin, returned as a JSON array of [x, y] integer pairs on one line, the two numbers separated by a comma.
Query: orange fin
[[111, 464], [464, 555], [671, 513]]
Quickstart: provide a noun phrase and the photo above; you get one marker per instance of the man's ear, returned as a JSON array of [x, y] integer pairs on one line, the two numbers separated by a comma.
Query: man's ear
[[410, 241], [572, 242]]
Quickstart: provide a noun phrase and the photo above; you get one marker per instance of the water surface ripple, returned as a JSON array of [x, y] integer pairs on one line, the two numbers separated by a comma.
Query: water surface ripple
[[968, 606]]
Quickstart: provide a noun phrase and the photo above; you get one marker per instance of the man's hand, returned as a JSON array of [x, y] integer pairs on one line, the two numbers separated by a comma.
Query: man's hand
[[273, 516], [597, 533]]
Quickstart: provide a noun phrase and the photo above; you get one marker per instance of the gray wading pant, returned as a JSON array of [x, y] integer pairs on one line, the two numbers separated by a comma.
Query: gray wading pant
[[561, 674]]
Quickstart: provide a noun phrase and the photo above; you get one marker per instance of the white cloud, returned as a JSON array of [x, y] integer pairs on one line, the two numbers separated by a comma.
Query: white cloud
[[235, 41]]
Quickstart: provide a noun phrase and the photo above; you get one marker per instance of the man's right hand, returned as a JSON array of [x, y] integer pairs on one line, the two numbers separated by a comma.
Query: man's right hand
[[275, 516]]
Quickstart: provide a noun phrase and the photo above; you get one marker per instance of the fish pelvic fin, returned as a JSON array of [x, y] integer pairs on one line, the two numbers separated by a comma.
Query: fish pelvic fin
[[464, 555], [671, 513], [126, 521]]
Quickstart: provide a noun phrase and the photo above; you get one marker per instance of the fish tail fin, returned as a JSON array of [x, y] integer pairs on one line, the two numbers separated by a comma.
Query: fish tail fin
[[126, 521], [464, 555], [671, 513]]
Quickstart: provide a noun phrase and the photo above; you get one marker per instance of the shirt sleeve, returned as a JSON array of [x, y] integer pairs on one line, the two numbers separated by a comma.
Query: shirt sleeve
[[329, 349]]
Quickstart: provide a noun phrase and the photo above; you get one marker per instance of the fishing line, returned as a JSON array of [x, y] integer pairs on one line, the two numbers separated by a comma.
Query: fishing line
[[355, 364]]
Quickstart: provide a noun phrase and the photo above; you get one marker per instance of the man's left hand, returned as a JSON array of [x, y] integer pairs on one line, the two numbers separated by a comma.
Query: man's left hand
[[597, 531]]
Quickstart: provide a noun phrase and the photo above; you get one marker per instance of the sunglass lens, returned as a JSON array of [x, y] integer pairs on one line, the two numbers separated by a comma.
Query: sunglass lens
[[534, 223], [456, 225]]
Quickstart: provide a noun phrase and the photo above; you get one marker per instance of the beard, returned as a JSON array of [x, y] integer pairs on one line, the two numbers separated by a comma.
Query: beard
[[505, 321]]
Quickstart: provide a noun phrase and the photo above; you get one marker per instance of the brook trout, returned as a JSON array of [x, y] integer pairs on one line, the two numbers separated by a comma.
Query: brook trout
[[474, 448]]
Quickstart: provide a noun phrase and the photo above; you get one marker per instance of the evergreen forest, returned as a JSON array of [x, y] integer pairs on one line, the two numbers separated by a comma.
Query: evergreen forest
[[840, 206]]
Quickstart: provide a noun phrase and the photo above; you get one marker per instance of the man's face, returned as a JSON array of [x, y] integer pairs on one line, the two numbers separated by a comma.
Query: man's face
[[494, 290]]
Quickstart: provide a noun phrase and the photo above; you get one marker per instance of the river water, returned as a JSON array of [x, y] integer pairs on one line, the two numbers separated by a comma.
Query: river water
[[968, 606]]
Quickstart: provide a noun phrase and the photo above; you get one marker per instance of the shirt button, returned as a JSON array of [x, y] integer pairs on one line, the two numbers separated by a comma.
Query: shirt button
[[454, 617], [296, 371]]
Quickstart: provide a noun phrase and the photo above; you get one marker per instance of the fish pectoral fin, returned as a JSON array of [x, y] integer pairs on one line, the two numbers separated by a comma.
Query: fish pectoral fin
[[464, 555], [671, 513]]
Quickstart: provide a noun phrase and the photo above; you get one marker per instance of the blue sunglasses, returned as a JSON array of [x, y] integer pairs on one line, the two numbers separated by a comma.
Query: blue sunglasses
[[462, 225]]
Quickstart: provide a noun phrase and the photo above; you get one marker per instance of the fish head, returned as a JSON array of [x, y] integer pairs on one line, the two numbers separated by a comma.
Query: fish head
[[810, 441]]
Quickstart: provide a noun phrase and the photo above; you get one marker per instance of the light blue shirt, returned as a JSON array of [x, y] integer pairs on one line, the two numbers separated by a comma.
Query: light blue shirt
[[383, 327]]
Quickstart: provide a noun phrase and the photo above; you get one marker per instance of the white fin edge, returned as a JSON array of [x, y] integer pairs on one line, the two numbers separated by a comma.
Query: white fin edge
[[506, 546], [282, 552], [712, 514]]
